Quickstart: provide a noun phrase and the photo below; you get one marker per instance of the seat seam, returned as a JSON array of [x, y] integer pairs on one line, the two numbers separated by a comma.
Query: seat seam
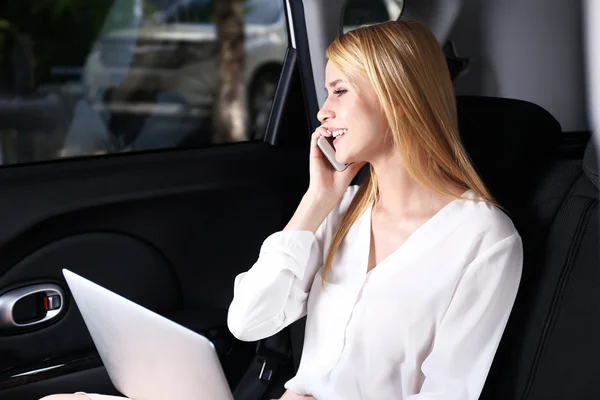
[[572, 253]]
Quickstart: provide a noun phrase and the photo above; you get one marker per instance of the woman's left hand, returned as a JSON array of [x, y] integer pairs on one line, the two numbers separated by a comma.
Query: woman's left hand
[[289, 395]]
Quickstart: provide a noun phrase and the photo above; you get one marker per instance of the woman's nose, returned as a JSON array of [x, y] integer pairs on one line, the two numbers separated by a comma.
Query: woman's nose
[[325, 114]]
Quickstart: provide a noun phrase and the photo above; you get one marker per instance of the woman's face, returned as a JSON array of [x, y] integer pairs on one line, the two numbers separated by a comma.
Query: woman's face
[[360, 118]]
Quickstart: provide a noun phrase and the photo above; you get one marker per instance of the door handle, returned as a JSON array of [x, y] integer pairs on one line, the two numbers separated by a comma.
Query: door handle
[[30, 306]]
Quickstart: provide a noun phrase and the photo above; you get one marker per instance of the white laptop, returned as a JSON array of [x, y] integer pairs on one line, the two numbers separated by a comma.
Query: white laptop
[[147, 356]]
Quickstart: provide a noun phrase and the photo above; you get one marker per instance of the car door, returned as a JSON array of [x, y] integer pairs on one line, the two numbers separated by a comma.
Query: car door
[[113, 175]]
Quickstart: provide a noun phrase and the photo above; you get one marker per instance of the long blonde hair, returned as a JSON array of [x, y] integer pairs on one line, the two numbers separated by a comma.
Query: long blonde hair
[[406, 66]]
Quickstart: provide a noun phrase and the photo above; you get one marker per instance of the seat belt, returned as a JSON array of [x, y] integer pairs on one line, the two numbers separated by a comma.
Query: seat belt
[[271, 355]]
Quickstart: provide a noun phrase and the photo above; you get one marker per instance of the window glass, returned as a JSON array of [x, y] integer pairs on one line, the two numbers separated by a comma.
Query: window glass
[[262, 12], [367, 12], [78, 79]]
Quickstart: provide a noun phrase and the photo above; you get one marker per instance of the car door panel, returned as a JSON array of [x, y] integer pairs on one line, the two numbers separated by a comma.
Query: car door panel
[[168, 230]]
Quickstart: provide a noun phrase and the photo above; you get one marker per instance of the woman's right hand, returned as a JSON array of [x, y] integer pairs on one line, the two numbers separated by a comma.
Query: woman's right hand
[[325, 180], [326, 188]]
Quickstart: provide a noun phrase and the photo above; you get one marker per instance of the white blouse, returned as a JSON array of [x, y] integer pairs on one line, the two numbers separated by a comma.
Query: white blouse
[[424, 324]]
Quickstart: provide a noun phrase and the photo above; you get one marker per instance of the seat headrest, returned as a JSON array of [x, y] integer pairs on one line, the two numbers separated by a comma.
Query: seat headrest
[[506, 133], [506, 140], [590, 162]]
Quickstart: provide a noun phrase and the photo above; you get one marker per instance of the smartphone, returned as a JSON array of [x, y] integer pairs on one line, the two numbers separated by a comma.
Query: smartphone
[[325, 143]]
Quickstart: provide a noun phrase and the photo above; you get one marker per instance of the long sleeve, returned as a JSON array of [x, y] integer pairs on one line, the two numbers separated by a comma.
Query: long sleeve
[[469, 334], [273, 293]]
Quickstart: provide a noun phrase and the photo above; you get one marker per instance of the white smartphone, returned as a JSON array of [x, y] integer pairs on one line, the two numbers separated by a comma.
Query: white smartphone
[[325, 143]]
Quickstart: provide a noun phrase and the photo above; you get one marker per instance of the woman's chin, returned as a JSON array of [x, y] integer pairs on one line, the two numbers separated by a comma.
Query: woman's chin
[[343, 161], [342, 158]]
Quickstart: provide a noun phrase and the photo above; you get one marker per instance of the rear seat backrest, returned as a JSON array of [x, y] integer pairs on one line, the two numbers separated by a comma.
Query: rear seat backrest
[[549, 349], [568, 300]]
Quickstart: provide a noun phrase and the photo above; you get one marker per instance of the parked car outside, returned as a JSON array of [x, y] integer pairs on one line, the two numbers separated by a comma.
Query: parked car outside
[[176, 54]]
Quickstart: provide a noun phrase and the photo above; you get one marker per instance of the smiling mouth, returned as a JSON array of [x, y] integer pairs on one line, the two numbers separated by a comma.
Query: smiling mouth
[[337, 135], [338, 132]]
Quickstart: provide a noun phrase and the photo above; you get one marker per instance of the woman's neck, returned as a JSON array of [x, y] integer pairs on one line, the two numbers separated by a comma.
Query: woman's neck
[[400, 195]]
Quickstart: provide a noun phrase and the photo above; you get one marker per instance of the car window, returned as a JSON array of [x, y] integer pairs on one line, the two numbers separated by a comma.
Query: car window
[[189, 11], [262, 12], [256, 12], [367, 12], [82, 79]]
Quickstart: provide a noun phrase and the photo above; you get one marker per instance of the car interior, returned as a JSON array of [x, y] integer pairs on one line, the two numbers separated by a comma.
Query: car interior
[[171, 228]]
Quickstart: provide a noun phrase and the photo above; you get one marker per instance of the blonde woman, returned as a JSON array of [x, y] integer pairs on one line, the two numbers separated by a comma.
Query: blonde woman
[[407, 280]]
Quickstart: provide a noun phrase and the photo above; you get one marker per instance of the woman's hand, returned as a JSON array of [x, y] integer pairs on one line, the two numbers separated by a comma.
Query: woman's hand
[[326, 188], [324, 179], [289, 395]]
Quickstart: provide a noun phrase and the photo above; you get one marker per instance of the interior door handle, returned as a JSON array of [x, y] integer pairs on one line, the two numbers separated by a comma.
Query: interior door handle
[[30, 306]]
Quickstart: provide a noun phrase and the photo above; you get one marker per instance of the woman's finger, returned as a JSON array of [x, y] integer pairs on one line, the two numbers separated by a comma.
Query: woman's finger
[[320, 131]]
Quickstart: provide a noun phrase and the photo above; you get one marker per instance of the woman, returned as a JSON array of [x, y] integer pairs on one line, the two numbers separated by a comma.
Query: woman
[[407, 280]]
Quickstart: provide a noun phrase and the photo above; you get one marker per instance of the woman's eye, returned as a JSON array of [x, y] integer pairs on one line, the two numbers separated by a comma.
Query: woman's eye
[[339, 92]]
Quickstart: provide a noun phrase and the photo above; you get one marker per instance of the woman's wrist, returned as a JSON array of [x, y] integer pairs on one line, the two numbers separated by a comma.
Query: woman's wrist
[[311, 212]]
